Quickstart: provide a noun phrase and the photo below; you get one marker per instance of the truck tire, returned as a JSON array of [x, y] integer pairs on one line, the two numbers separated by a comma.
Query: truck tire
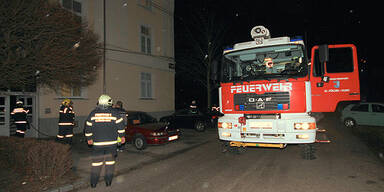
[[139, 142], [308, 151]]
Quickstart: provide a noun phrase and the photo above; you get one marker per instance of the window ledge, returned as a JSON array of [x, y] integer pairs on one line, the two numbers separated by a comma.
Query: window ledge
[[146, 98]]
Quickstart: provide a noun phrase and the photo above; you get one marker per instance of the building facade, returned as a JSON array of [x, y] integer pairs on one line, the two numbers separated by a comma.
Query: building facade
[[139, 65]]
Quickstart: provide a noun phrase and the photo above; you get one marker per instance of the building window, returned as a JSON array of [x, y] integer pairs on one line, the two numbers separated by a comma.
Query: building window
[[72, 5], [146, 85], [71, 92], [145, 38]]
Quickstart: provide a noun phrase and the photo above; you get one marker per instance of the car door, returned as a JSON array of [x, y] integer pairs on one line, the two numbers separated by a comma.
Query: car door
[[360, 113], [132, 121], [183, 119], [334, 76], [378, 114]]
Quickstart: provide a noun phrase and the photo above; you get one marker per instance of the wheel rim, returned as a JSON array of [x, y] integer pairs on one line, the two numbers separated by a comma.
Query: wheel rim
[[139, 143], [200, 126], [349, 123]]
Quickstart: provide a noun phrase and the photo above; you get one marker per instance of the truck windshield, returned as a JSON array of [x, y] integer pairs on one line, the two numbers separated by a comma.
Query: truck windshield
[[273, 62]]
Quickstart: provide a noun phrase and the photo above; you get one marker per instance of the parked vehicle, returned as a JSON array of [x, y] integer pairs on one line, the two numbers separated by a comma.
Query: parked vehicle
[[365, 113], [189, 119], [143, 130]]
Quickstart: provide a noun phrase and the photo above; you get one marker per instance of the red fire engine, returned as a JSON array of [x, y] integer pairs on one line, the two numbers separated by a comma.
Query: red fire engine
[[269, 90]]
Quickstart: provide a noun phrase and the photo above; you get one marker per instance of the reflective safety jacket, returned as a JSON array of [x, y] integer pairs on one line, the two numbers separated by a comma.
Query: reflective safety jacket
[[19, 114], [104, 126], [67, 116]]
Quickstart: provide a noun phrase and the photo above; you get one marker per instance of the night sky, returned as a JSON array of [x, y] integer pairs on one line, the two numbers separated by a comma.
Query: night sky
[[318, 22]]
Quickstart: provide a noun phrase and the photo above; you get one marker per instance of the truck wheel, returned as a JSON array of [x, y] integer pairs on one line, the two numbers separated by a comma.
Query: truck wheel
[[308, 151], [349, 123], [200, 126], [139, 142]]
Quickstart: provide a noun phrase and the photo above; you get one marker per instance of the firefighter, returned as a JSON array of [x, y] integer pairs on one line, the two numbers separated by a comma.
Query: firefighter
[[66, 122], [19, 114], [119, 107], [215, 113], [193, 107], [103, 127]]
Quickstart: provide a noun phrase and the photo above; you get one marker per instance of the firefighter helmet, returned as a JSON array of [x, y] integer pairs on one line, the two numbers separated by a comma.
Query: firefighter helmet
[[66, 102], [19, 102], [105, 100]]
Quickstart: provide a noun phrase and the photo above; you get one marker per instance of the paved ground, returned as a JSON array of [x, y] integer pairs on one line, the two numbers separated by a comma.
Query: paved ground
[[196, 163]]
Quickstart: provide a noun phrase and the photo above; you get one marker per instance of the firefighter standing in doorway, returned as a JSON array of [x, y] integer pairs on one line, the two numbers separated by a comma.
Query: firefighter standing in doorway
[[19, 114], [66, 122], [102, 128]]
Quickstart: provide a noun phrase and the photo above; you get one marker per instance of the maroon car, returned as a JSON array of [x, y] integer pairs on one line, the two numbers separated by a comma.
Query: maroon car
[[143, 130]]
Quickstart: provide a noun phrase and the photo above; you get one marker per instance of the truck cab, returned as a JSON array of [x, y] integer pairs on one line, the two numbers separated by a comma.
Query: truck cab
[[269, 88]]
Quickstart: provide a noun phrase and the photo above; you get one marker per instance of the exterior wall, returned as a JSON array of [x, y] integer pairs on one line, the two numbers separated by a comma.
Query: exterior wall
[[124, 62]]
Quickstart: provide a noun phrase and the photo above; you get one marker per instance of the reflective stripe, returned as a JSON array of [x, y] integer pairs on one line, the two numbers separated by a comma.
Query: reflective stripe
[[19, 110], [65, 123], [97, 164], [59, 136], [70, 135], [119, 120], [110, 162], [88, 134], [20, 121], [20, 131], [121, 131], [89, 123], [105, 143]]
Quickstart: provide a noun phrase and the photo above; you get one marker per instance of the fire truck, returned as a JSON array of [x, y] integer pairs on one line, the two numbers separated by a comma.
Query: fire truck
[[269, 90]]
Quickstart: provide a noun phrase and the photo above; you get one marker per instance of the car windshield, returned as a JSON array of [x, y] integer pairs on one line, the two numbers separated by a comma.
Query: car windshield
[[273, 62]]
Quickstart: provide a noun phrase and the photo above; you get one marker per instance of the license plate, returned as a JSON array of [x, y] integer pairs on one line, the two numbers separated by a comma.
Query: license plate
[[171, 138], [262, 125]]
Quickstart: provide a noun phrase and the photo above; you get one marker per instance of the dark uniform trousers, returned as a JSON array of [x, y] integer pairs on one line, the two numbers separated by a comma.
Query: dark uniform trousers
[[103, 156], [20, 129]]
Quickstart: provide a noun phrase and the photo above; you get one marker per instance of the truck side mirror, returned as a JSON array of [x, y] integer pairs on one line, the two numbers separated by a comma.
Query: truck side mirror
[[323, 53]]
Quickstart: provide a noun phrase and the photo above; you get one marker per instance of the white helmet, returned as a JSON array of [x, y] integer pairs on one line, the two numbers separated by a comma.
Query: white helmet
[[105, 100]]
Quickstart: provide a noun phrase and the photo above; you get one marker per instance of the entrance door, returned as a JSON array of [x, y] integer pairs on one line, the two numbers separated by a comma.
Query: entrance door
[[4, 115], [335, 78]]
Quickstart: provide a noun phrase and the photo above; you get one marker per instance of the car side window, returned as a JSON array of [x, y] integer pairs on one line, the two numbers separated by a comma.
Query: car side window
[[145, 118], [361, 108], [133, 119], [378, 108]]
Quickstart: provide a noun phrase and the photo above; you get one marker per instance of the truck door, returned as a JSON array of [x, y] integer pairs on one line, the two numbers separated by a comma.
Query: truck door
[[334, 76]]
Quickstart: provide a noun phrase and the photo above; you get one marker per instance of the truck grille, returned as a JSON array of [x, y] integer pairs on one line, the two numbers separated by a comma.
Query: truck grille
[[262, 102]]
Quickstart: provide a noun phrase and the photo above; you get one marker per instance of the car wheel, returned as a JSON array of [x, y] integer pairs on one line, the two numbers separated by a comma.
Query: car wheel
[[200, 126], [349, 123], [139, 142]]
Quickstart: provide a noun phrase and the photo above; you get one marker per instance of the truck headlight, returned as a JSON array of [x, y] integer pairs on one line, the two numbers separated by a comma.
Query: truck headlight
[[304, 126], [224, 125]]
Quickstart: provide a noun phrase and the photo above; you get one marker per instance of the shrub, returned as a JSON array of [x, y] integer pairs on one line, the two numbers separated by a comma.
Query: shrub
[[43, 160]]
